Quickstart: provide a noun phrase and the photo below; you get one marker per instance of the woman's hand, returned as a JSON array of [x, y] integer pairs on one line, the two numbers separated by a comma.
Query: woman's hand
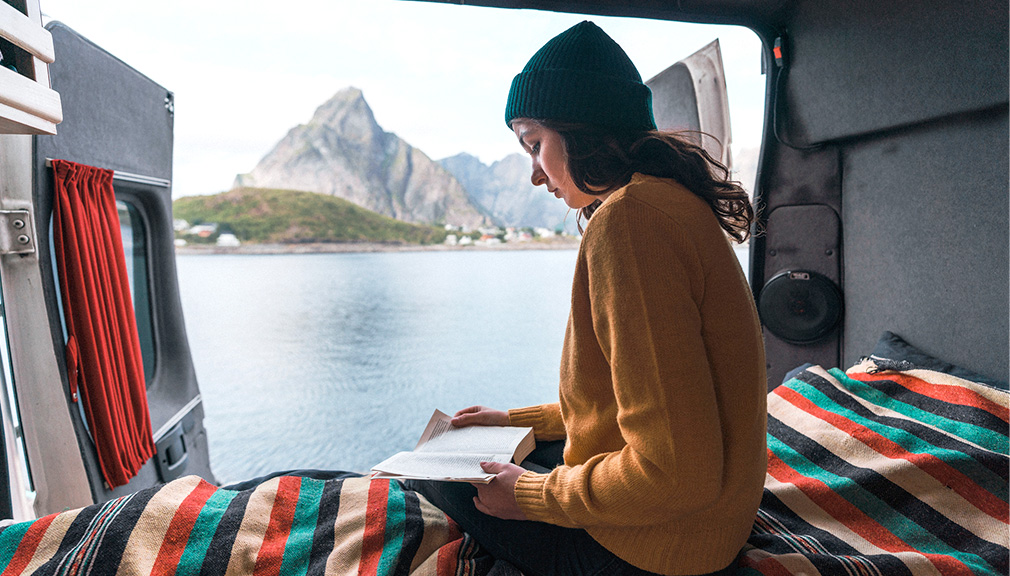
[[498, 497], [479, 416]]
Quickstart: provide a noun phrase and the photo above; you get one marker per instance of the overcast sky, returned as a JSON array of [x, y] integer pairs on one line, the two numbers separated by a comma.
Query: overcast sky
[[246, 71]]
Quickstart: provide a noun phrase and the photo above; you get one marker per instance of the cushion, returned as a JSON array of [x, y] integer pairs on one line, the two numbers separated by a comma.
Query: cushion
[[906, 356]]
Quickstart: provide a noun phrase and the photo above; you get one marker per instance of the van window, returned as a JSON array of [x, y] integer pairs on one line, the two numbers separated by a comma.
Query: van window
[[134, 233]]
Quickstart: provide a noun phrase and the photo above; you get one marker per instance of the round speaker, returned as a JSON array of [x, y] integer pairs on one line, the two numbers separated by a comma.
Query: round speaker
[[800, 306]]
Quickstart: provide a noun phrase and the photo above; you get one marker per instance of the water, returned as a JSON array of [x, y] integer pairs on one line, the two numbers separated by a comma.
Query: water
[[336, 361]]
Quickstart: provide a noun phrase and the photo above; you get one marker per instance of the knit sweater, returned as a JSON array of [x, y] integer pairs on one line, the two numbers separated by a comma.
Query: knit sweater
[[662, 389]]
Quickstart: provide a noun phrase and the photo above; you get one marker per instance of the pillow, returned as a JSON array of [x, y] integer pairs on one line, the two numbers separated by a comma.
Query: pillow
[[904, 356]]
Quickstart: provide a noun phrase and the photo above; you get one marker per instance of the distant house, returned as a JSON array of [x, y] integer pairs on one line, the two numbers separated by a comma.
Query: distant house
[[228, 239], [204, 230], [516, 235]]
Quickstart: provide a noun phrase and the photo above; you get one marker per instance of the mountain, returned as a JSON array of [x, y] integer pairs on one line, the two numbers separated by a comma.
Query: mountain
[[504, 191], [288, 216], [343, 152]]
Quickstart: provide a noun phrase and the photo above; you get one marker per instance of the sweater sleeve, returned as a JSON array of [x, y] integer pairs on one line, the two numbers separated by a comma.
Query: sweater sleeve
[[545, 420], [645, 283]]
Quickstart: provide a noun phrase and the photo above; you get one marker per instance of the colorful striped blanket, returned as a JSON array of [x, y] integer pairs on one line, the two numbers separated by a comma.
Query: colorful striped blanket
[[900, 473], [288, 525]]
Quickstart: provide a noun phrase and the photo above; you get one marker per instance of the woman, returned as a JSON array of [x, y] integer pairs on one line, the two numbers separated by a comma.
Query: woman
[[662, 388]]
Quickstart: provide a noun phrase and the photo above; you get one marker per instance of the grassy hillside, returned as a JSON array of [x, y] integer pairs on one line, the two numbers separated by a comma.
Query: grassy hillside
[[262, 215]]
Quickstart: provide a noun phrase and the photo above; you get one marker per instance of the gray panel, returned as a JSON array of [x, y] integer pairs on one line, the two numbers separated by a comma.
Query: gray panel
[[113, 116], [673, 100], [860, 67], [802, 231], [797, 177], [691, 95], [926, 242], [116, 118], [801, 238]]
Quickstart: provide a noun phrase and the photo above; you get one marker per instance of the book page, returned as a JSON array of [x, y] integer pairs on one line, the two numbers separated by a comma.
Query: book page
[[441, 436], [445, 452], [438, 466], [439, 424]]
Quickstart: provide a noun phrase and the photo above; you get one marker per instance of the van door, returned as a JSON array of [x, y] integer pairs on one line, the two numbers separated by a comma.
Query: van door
[[691, 96], [114, 118]]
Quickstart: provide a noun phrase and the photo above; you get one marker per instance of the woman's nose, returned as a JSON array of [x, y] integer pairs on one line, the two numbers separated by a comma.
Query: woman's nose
[[538, 178]]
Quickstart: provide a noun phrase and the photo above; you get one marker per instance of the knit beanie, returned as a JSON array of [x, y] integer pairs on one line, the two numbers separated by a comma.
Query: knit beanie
[[582, 76]]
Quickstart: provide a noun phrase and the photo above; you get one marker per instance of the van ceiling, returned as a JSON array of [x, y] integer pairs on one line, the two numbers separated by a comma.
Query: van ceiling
[[753, 13]]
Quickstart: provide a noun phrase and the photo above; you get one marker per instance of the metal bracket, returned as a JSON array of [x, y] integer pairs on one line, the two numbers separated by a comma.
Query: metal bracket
[[17, 235], [172, 454]]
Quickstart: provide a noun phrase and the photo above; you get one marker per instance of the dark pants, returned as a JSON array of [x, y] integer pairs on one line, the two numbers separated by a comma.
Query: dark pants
[[536, 548]]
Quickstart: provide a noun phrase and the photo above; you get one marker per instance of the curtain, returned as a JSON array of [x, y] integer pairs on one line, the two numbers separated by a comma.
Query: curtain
[[104, 363]]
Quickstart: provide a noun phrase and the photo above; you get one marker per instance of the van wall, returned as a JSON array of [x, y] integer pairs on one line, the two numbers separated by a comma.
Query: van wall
[[904, 110]]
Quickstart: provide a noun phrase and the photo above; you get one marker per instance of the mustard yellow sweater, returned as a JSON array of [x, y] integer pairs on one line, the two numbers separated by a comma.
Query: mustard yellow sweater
[[662, 390]]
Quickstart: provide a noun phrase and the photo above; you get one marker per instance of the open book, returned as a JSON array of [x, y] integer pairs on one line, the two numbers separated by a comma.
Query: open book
[[445, 452]]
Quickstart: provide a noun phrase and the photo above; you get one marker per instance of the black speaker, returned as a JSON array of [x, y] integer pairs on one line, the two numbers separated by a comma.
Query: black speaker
[[800, 306]]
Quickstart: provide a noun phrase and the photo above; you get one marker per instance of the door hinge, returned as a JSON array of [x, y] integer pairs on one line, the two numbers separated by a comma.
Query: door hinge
[[17, 235]]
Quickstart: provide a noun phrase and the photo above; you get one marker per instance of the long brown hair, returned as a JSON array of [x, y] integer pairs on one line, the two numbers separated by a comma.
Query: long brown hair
[[601, 160]]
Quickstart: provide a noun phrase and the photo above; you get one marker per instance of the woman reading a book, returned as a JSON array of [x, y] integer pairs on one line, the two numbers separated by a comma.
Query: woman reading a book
[[662, 381]]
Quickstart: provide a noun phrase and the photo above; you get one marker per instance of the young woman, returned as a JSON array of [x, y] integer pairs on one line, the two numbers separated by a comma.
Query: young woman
[[662, 383]]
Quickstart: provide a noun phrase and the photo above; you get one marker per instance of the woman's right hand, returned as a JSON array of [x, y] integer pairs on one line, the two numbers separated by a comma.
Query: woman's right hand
[[480, 416]]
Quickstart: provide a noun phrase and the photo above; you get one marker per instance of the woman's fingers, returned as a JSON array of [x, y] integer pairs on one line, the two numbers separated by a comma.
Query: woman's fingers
[[498, 498], [480, 416]]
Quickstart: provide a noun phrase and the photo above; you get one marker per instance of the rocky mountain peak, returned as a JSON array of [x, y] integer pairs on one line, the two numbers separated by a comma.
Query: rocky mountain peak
[[348, 114], [504, 190], [343, 152]]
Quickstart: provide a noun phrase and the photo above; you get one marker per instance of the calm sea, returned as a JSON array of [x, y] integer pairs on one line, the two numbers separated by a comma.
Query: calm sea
[[336, 361]]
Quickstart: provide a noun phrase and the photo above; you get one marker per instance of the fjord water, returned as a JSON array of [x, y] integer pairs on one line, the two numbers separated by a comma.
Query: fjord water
[[336, 361]]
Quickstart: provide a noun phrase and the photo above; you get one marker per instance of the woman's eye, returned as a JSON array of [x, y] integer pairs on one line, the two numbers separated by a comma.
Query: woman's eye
[[535, 148]]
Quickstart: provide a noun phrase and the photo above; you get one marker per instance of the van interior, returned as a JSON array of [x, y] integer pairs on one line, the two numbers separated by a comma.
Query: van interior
[[882, 189]]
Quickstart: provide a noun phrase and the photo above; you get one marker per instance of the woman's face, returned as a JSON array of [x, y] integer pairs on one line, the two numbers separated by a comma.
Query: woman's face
[[550, 162]]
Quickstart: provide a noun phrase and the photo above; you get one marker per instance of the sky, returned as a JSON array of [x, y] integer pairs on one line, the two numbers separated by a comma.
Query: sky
[[244, 72]]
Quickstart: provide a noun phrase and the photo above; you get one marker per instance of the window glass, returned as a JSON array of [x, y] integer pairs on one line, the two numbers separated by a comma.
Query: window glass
[[134, 233]]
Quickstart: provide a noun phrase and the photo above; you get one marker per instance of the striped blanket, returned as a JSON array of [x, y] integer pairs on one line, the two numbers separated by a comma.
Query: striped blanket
[[900, 473], [288, 525]]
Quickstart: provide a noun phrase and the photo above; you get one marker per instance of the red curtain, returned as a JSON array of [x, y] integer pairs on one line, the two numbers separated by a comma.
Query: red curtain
[[103, 349]]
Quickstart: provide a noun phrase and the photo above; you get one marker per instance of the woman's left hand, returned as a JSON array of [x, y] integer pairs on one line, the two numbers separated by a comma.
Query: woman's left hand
[[498, 497]]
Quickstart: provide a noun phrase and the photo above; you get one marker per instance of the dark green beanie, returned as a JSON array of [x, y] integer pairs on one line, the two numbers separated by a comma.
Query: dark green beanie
[[583, 76]]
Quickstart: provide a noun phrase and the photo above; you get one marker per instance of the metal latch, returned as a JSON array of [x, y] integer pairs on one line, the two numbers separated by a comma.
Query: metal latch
[[172, 454], [17, 235]]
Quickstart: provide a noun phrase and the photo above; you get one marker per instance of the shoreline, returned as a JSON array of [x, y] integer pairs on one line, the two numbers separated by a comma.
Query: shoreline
[[352, 247]]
